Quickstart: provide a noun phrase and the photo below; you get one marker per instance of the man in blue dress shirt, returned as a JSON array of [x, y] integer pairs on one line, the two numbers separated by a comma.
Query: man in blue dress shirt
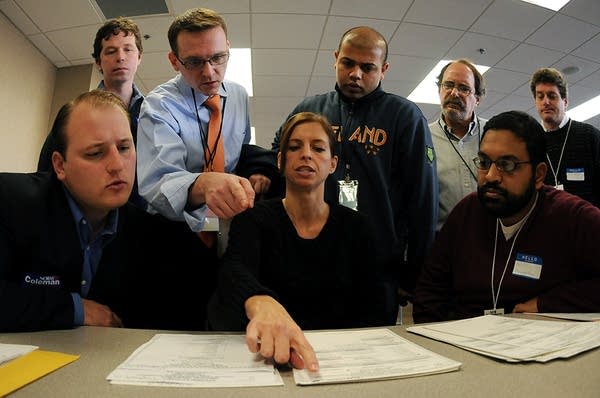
[[173, 126]]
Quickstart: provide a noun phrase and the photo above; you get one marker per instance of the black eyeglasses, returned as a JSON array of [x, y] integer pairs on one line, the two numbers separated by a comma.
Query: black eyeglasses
[[461, 88], [502, 164], [192, 63]]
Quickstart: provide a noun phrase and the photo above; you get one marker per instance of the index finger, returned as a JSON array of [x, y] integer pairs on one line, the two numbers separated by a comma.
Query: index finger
[[252, 339], [308, 357]]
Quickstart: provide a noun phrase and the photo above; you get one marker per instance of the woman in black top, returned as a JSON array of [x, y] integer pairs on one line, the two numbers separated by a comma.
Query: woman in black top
[[298, 262]]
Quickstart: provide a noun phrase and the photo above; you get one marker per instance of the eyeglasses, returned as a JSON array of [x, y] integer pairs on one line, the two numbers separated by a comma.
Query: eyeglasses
[[192, 63], [502, 164], [461, 88]]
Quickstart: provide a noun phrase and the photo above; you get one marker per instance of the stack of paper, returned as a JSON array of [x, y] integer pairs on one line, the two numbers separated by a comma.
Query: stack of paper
[[515, 339], [183, 360], [573, 316], [359, 355], [180, 360]]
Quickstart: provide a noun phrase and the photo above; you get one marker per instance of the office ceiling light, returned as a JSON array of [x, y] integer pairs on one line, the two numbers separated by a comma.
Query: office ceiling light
[[570, 70], [131, 8], [239, 68], [553, 5], [427, 92], [585, 111]]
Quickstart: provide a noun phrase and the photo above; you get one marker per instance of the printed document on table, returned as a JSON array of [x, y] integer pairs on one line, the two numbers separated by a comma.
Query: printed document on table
[[515, 339], [360, 355], [12, 351], [185, 360], [572, 316]]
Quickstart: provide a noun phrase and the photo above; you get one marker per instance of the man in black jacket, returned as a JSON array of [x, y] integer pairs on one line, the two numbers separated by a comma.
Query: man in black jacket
[[73, 252], [572, 147]]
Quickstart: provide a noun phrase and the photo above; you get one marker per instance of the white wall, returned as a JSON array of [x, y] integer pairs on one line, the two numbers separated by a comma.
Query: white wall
[[27, 81], [70, 82]]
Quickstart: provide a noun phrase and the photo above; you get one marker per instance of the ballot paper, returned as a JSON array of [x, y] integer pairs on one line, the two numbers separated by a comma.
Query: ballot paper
[[11, 351], [515, 339], [573, 316], [375, 354], [184, 360]]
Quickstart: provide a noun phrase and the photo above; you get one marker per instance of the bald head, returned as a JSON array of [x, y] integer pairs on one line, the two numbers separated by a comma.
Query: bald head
[[365, 38]]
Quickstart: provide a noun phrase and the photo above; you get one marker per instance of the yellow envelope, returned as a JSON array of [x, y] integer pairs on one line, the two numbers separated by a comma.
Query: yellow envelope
[[30, 367]]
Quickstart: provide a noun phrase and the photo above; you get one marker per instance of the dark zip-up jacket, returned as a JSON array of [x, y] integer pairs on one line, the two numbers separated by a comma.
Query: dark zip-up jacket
[[385, 142]]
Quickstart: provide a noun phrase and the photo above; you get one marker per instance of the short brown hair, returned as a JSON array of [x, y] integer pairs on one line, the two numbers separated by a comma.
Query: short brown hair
[[298, 119], [113, 27], [194, 20], [550, 76], [95, 98], [478, 77]]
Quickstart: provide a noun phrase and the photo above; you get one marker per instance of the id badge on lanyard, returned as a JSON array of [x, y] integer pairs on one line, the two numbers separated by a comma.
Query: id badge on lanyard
[[348, 191]]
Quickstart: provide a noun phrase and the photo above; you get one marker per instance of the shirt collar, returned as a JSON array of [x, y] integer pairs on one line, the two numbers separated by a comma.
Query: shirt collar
[[185, 89], [136, 95], [472, 130], [560, 126], [84, 230]]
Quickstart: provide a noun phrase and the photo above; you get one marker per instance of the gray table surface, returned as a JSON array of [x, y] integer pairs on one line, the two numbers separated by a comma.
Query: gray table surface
[[102, 349]]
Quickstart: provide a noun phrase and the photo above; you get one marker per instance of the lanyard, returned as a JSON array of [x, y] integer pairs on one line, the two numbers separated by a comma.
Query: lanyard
[[562, 151], [447, 133], [496, 295], [346, 149], [204, 133]]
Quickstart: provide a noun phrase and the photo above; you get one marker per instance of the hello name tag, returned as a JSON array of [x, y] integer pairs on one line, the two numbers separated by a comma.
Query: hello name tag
[[577, 174], [528, 266]]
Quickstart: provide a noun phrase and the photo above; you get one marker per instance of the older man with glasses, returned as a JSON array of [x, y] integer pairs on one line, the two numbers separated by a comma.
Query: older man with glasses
[[516, 245], [456, 133], [192, 129]]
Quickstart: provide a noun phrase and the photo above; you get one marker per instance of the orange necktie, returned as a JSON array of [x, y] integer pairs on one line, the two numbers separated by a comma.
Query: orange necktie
[[214, 153]]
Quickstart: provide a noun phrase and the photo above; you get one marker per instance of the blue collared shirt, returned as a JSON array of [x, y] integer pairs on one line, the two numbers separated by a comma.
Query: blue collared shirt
[[91, 250], [169, 147], [133, 107]]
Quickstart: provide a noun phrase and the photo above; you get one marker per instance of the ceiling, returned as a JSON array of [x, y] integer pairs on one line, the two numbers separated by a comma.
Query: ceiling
[[293, 41]]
